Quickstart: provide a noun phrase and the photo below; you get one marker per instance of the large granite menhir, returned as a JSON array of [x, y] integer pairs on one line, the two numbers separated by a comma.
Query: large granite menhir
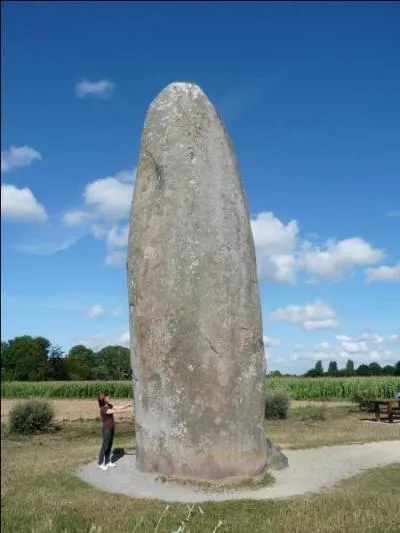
[[195, 318]]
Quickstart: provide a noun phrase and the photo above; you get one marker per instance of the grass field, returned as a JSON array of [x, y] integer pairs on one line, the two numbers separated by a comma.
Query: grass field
[[298, 388], [41, 494]]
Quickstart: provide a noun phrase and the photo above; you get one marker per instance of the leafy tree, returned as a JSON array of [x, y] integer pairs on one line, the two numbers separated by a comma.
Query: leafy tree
[[375, 369], [350, 370], [319, 369], [363, 370], [388, 370], [25, 358], [117, 361], [80, 361], [4, 346], [100, 372], [275, 374], [333, 369], [397, 369], [57, 369]]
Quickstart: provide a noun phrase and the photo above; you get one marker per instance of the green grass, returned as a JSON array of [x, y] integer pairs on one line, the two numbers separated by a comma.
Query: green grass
[[298, 388], [41, 494]]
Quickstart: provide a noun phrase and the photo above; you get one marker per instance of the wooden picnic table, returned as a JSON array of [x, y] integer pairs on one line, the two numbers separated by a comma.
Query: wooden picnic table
[[390, 406]]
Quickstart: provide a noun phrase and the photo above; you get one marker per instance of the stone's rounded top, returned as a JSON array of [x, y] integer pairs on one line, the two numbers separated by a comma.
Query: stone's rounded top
[[176, 100], [184, 92], [186, 87]]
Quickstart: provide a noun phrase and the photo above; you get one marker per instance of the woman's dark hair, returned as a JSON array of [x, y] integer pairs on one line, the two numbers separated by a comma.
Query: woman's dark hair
[[101, 398]]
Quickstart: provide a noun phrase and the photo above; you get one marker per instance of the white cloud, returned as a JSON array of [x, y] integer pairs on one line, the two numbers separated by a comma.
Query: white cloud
[[111, 197], [383, 274], [395, 339], [18, 156], [271, 360], [282, 253], [95, 311], [316, 315], [373, 337], [275, 245], [320, 324], [333, 259], [107, 199], [350, 346], [270, 342], [117, 237], [107, 206], [115, 258], [102, 89], [364, 348], [20, 205], [393, 214], [47, 248], [102, 339], [124, 339], [117, 240], [75, 218], [96, 341], [321, 346], [126, 176], [367, 347]]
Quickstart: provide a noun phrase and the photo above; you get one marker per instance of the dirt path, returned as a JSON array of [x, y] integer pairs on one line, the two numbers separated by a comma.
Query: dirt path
[[309, 471]]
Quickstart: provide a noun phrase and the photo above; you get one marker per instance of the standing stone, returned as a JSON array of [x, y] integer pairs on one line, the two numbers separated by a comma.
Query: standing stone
[[195, 316]]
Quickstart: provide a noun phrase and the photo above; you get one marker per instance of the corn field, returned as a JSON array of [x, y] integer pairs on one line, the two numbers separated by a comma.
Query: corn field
[[298, 388], [65, 389], [336, 388]]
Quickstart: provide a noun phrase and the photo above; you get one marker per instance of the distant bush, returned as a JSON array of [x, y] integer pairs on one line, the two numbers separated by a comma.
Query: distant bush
[[277, 405], [32, 416], [5, 430], [314, 413]]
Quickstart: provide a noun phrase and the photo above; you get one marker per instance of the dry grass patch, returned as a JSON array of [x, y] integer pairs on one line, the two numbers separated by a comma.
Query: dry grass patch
[[342, 425], [70, 409], [65, 409]]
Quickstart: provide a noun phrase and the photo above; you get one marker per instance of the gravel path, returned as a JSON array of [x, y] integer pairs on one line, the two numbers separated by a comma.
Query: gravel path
[[309, 471]]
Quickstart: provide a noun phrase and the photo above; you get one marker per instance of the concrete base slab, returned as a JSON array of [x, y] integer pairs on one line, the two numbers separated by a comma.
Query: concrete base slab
[[310, 471]]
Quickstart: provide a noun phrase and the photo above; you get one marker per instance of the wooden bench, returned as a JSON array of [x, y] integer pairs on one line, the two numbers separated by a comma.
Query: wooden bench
[[390, 407]]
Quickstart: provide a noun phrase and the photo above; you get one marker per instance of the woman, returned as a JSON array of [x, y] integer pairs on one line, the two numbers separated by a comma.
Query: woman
[[107, 411]]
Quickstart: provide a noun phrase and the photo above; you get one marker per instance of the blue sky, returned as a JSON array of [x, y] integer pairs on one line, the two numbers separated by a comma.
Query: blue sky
[[309, 94]]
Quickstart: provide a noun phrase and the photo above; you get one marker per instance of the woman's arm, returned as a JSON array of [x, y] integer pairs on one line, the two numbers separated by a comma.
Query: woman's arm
[[117, 409]]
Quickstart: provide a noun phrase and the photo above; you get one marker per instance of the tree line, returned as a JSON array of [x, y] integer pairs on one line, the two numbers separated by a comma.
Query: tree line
[[29, 358], [363, 370]]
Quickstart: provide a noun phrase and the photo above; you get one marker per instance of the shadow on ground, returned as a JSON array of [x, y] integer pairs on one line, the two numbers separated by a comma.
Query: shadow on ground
[[382, 421], [119, 453]]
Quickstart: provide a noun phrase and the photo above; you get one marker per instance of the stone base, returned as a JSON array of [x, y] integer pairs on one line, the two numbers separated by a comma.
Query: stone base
[[216, 467], [276, 459], [230, 483]]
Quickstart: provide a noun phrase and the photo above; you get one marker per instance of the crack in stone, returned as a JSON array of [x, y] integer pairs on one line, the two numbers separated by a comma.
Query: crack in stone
[[211, 345], [159, 172]]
